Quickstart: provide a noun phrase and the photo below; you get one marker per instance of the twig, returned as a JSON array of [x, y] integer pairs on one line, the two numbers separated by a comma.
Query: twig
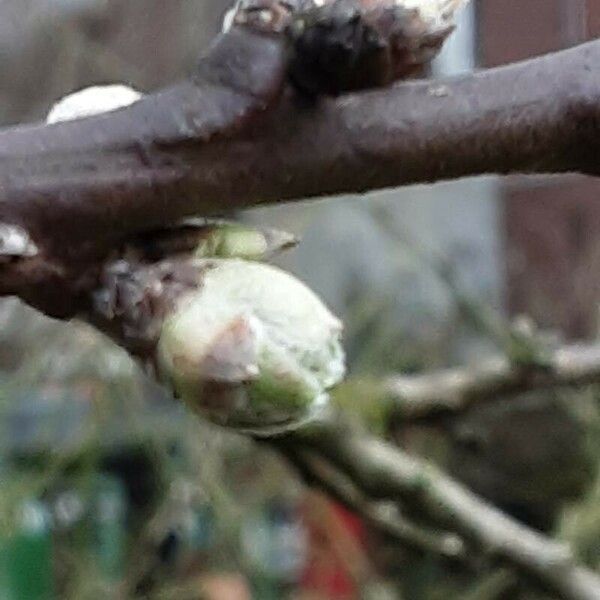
[[384, 517], [413, 397], [385, 472]]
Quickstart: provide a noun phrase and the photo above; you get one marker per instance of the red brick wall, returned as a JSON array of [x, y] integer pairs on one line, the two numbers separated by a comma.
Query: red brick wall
[[593, 18], [551, 225], [512, 30]]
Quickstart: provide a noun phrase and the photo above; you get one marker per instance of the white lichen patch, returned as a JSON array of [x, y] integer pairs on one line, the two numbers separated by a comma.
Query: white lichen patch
[[253, 348], [15, 242], [92, 101]]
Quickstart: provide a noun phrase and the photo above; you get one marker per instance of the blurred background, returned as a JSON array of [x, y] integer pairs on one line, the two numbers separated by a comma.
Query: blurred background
[[108, 489]]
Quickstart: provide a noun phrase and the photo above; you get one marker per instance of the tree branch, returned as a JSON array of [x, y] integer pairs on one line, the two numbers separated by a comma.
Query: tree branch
[[387, 473], [78, 188], [384, 517], [414, 397]]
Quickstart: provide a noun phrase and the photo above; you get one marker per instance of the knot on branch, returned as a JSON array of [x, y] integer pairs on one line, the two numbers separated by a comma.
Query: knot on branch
[[337, 46]]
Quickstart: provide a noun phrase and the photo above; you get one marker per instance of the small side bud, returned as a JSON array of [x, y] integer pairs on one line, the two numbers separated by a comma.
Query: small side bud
[[339, 46], [207, 238], [235, 240]]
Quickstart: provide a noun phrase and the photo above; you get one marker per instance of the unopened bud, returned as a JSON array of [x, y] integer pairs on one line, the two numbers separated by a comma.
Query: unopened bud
[[253, 348]]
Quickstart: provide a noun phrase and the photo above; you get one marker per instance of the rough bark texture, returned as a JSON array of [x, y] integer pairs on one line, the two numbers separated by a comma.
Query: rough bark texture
[[80, 188]]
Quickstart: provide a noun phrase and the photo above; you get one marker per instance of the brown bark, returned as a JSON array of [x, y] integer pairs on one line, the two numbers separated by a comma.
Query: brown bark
[[79, 188]]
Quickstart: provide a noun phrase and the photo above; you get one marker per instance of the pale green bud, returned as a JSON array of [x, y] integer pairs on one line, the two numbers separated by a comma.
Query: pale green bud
[[253, 348], [236, 240]]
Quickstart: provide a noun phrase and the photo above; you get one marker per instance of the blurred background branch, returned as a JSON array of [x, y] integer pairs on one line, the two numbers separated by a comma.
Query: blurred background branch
[[433, 394], [387, 473]]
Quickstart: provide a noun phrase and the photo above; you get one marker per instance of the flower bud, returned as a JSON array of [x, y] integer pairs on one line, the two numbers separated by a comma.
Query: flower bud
[[252, 348]]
